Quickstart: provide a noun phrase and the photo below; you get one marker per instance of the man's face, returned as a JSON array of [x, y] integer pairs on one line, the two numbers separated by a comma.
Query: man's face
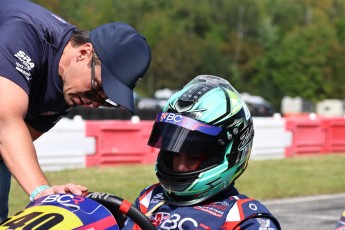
[[184, 162], [78, 84]]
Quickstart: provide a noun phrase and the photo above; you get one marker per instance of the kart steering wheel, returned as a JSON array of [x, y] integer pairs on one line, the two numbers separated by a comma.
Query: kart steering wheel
[[119, 207]]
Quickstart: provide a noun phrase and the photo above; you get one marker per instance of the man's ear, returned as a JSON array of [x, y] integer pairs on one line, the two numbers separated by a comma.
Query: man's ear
[[84, 52]]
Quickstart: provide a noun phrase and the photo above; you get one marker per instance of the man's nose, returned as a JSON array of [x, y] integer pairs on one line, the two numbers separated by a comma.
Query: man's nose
[[182, 168], [183, 164]]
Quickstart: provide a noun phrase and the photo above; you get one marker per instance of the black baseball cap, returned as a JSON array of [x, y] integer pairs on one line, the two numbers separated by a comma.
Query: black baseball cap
[[125, 57]]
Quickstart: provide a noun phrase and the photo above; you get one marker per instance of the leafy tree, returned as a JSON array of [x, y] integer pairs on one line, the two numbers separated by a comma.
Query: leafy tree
[[174, 63], [271, 48], [298, 67]]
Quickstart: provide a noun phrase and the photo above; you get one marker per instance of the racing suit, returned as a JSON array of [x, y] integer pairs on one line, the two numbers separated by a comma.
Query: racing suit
[[31, 44], [228, 210]]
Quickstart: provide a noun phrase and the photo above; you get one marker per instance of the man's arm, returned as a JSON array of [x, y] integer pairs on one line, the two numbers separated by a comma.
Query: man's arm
[[16, 143], [34, 133]]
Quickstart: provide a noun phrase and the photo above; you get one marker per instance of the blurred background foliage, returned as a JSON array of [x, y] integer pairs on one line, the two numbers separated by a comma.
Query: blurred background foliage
[[271, 48]]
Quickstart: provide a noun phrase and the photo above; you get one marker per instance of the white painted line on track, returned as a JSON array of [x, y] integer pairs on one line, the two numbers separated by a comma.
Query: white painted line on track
[[303, 199]]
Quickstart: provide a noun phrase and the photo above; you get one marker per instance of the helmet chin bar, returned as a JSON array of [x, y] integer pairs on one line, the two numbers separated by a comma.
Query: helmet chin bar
[[188, 200], [179, 186]]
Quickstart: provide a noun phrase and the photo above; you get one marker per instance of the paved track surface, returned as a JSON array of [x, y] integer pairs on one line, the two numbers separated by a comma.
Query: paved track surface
[[312, 212]]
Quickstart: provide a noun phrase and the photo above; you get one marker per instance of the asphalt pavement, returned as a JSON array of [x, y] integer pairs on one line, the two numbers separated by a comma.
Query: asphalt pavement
[[310, 212]]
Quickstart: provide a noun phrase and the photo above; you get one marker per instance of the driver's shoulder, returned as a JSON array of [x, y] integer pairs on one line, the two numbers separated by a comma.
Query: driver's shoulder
[[151, 190]]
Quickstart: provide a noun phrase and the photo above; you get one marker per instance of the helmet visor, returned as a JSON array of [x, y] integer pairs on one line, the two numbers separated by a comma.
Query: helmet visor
[[177, 133]]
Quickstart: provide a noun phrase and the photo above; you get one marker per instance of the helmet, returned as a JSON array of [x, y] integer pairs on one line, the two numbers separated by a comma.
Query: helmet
[[207, 118]]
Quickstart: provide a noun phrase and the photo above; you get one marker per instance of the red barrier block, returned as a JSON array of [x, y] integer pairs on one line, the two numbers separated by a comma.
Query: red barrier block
[[308, 136], [335, 139], [120, 142]]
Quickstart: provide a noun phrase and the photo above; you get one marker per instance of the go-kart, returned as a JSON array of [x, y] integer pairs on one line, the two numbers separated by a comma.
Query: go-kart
[[92, 211]]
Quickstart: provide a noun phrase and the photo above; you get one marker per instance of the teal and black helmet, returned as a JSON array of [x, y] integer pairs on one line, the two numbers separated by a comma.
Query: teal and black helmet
[[207, 118]]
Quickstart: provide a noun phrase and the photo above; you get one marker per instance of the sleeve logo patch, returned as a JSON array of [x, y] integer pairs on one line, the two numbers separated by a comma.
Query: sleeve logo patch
[[24, 64]]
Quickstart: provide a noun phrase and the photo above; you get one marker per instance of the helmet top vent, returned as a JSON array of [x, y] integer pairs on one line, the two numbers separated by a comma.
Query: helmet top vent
[[192, 95]]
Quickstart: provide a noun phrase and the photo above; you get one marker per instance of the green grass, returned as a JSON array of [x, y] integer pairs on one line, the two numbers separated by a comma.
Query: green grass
[[312, 175], [323, 174]]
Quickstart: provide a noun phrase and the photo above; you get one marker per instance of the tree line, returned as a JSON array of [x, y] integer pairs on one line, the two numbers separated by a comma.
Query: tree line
[[271, 48]]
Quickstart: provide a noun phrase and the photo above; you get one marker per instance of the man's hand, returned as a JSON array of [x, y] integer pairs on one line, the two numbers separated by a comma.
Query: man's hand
[[67, 188]]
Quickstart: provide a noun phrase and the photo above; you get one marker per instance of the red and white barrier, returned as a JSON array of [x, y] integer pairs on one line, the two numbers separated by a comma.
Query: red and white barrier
[[270, 138], [65, 146], [120, 142], [78, 143], [320, 135]]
